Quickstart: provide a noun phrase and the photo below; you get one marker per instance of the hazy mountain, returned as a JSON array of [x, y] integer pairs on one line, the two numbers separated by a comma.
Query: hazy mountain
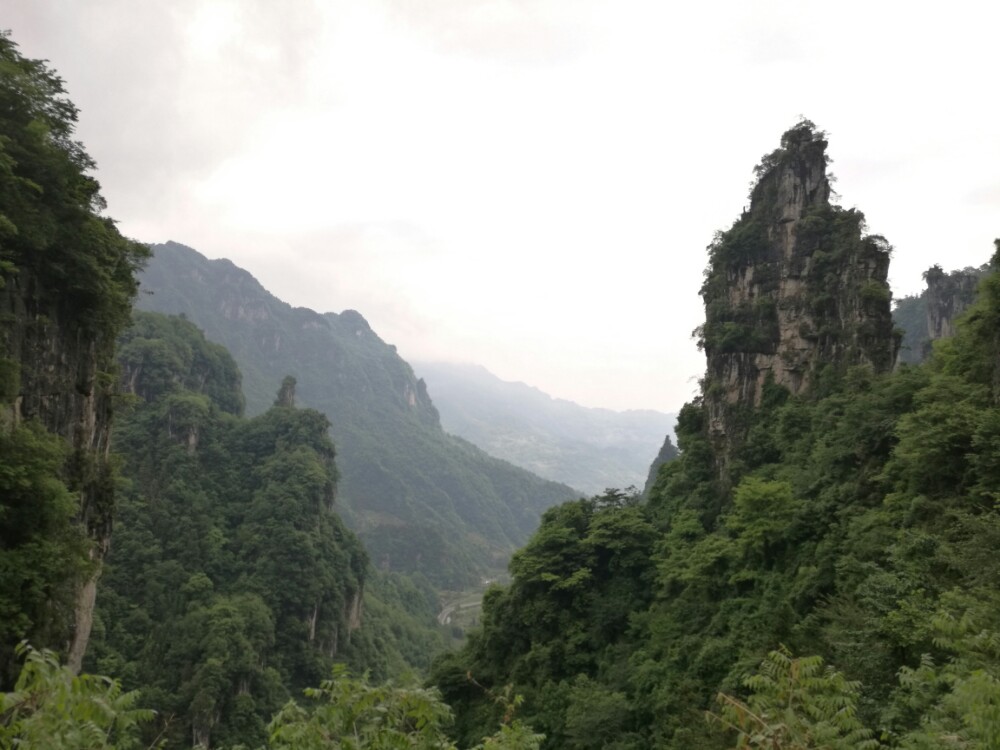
[[421, 500], [592, 449]]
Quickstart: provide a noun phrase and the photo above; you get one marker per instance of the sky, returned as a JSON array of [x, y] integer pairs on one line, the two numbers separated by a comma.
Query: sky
[[529, 185]]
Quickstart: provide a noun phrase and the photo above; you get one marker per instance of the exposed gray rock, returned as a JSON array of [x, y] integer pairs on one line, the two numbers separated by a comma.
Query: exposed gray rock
[[793, 287]]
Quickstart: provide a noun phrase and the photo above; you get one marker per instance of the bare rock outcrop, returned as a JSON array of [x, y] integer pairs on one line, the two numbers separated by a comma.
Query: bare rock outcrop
[[947, 296], [793, 289]]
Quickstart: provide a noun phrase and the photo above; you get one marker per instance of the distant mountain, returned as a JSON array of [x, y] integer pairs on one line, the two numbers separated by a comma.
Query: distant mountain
[[592, 449], [420, 499]]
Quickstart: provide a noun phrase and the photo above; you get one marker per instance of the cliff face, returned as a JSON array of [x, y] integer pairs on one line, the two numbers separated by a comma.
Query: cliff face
[[67, 281], [65, 384], [947, 296], [792, 288], [931, 315]]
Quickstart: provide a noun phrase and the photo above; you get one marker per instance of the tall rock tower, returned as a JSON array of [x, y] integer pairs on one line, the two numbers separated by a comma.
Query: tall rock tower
[[793, 288], [947, 296]]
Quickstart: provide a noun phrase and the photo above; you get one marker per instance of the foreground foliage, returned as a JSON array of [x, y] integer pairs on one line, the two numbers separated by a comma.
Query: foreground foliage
[[796, 704], [351, 714], [53, 709]]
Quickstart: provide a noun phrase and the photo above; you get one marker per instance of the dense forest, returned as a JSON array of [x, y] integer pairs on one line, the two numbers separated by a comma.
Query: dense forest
[[231, 584], [815, 568], [422, 501]]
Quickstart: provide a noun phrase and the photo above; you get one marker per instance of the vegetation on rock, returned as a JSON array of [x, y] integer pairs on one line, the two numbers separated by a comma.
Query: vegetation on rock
[[821, 504], [232, 582], [67, 281], [852, 521], [931, 315]]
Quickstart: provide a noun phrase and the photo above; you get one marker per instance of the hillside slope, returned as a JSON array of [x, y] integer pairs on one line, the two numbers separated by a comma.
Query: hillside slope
[[420, 499], [591, 449]]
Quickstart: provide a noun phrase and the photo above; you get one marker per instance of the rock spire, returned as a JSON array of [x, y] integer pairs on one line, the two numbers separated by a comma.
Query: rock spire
[[793, 289]]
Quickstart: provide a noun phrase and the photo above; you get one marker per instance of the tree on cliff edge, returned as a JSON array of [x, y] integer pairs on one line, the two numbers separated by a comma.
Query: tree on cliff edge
[[67, 281]]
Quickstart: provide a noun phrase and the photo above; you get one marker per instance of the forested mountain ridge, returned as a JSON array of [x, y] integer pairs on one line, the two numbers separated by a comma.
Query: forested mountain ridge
[[590, 449], [420, 499], [232, 583], [853, 518], [67, 280]]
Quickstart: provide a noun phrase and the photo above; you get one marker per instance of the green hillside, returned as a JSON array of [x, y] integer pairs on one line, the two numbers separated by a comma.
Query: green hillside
[[420, 499], [591, 449]]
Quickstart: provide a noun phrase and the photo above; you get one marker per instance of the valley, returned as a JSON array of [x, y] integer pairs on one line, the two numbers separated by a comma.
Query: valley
[[591, 449], [229, 523]]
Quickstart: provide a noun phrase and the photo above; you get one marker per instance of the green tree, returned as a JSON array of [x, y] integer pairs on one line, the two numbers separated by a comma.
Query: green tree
[[50, 222], [956, 699], [42, 548], [796, 704], [350, 714], [51, 708]]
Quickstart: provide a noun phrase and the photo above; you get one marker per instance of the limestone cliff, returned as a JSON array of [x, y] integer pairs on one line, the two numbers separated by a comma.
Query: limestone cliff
[[793, 288], [932, 314], [67, 281], [947, 296], [65, 384]]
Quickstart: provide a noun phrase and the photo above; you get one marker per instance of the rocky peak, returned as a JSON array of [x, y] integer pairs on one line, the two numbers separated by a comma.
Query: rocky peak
[[793, 178], [947, 296], [793, 287]]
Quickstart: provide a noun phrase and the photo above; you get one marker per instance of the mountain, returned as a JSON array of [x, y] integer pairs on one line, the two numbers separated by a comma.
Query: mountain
[[668, 452], [591, 449], [932, 314], [232, 583], [794, 289], [818, 566], [420, 499]]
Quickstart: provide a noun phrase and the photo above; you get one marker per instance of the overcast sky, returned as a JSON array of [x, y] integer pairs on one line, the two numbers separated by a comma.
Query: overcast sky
[[525, 184]]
